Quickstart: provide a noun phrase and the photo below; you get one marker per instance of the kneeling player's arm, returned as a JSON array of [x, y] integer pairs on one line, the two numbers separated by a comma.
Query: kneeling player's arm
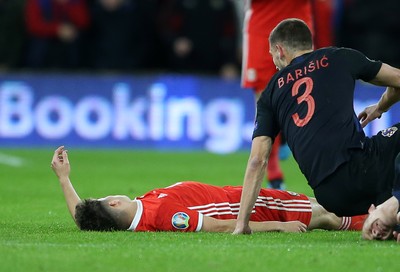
[[388, 76], [218, 225]]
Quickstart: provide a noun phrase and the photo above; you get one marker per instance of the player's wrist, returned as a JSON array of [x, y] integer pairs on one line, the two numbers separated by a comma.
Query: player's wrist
[[63, 178], [381, 109]]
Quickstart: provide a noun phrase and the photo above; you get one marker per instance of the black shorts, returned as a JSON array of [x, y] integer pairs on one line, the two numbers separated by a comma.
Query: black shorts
[[364, 180]]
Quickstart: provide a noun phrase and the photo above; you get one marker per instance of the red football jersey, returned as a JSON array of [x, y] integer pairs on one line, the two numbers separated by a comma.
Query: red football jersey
[[261, 16], [181, 207]]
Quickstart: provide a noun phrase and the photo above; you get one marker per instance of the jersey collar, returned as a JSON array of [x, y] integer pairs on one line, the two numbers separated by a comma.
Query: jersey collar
[[137, 216], [300, 58]]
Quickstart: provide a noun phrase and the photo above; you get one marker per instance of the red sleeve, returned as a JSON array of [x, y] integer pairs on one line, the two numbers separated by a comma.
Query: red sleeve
[[156, 215], [178, 218]]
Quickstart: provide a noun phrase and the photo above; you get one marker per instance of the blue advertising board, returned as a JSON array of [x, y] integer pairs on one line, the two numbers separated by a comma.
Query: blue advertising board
[[164, 112]]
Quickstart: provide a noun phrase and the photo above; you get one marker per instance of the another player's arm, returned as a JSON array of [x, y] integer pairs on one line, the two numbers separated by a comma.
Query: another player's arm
[[217, 225], [62, 169], [255, 171], [390, 77]]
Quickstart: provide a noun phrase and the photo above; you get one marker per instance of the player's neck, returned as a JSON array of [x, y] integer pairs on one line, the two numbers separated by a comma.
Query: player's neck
[[130, 213], [299, 53]]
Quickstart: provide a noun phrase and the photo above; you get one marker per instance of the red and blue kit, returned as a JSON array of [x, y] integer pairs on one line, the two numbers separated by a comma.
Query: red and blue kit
[[182, 207]]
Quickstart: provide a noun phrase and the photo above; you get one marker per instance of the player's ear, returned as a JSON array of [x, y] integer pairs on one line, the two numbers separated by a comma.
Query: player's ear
[[371, 208], [114, 203], [278, 48], [281, 51]]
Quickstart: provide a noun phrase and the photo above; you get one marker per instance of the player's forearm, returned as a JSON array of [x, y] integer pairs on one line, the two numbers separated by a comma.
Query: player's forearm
[[388, 98], [267, 226], [71, 197], [254, 176], [217, 225], [388, 76], [255, 171], [251, 188]]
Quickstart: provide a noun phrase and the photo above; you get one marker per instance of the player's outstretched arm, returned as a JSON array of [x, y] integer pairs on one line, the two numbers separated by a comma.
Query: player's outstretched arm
[[217, 225], [61, 167]]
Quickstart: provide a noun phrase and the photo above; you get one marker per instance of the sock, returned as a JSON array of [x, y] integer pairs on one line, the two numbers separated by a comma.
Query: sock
[[352, 223]]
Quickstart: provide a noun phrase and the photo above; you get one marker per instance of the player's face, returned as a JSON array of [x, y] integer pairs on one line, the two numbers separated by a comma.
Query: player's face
[[375, 228], [377, 231]]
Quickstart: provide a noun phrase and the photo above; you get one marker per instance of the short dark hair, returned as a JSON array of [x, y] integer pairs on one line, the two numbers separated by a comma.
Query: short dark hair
[[292, 33], [91, 214]]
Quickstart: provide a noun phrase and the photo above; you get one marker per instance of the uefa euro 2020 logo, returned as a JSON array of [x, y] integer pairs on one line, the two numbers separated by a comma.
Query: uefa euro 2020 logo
[[180, 220]]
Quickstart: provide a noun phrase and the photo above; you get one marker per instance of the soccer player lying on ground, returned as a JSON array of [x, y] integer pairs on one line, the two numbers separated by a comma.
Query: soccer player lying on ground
[[194, 206]]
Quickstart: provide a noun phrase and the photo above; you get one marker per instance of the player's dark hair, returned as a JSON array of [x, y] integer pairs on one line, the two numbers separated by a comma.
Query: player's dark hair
[[91, 214], [293, 33]]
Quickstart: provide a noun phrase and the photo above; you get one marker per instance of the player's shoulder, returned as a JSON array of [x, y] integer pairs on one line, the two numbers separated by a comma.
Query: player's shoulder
[[331, 50], [339, 51], [334, 50], [342, 56]]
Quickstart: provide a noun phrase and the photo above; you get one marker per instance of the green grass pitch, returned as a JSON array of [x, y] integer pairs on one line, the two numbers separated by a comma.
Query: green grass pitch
[[37, 233]]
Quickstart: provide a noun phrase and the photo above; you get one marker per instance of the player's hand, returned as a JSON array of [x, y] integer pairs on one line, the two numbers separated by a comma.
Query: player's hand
[[60, 163], [369, 114], [293, 226], [242, 230]]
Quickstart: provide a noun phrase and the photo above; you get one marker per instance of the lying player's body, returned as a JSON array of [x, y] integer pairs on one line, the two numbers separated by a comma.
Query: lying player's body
[[194, 206]]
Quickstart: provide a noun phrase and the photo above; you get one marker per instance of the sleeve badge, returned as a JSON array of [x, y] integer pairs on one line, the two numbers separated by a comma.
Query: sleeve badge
[[180, 220]]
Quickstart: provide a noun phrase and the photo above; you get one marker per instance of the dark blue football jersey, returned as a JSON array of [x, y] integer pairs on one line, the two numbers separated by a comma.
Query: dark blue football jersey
[[311, 102]]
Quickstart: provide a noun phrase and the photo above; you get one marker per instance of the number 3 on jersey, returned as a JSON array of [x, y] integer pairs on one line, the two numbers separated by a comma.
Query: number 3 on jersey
[[305, 97]]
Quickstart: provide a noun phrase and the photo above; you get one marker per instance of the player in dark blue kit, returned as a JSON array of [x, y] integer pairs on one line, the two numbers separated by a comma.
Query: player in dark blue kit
[[311, 101]]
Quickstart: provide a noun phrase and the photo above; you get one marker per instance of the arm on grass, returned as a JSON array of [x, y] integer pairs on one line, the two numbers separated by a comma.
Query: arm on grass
[[218, 225], [62, 168]]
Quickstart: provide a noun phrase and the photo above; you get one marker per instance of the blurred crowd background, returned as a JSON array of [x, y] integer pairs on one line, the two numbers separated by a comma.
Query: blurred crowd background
[[202, 36]]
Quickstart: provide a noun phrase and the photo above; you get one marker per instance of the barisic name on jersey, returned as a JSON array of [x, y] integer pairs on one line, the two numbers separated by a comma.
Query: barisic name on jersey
[[298, 73]]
